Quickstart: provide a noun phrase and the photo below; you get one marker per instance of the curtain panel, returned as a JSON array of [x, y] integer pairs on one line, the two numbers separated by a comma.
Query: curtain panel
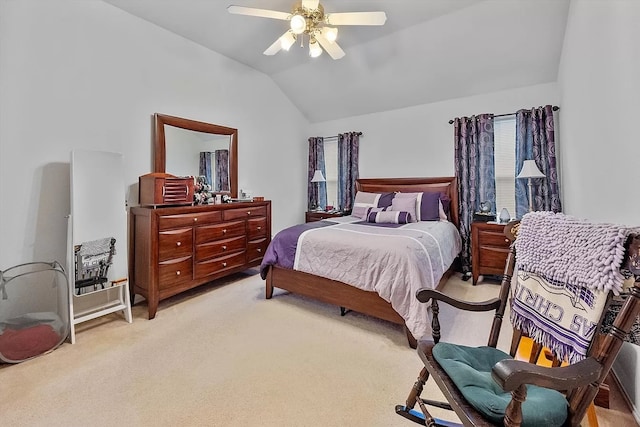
[[348, 171], [535, 140], [222, 170], [205, 166], [316, 191], [475, 171]]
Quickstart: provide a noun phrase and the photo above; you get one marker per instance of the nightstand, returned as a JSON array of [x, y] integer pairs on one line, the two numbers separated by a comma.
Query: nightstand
[[312, 216], [489, 249]]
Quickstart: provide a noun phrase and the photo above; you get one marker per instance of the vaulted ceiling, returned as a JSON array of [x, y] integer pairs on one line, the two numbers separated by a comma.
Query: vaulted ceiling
[[427, 51]]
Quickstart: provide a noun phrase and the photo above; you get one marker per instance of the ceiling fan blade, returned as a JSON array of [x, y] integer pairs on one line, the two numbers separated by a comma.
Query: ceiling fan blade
[[263, 13], [274, 48], [310, 4], [332, 48], [356, 18]]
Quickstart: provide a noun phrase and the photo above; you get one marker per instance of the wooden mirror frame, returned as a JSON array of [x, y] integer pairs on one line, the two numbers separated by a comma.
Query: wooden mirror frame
[[160, 149]]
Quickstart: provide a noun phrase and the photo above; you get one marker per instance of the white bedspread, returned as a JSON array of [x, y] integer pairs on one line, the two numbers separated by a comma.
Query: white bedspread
[[393, 262]]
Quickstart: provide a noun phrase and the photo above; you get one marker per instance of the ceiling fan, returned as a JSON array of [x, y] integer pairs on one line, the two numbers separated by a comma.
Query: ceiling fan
[[307, 18]]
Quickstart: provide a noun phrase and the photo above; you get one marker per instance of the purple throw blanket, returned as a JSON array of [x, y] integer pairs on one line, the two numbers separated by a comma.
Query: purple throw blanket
[[282, 249]]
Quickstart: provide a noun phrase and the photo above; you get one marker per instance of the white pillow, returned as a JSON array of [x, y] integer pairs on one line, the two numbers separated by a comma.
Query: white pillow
[[405, 204]]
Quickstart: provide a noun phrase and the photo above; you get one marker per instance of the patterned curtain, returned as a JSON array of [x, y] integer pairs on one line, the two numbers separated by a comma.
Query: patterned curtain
[[475, 170], [205, 166], [316, 191], [535, 141], [222, 170], [348, 172]]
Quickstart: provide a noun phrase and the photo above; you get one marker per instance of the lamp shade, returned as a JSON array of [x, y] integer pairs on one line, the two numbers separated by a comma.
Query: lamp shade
[[317, 176], [530, 170]]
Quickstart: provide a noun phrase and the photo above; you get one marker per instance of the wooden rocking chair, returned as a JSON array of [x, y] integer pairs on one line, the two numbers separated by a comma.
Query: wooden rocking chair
[[571, 388]]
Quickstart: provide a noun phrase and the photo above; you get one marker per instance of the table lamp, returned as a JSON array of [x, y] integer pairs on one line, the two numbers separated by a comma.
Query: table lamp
[[530, 170], [317, 178]]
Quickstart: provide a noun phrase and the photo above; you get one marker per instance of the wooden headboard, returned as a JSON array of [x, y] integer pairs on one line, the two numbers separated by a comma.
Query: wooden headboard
[[447, 185]]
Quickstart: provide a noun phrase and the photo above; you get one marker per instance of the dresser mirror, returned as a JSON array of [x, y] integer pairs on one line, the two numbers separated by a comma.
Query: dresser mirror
[[186, 147]]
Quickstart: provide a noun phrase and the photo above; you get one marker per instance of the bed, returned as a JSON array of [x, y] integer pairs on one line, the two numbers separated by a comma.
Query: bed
[[365, 299]]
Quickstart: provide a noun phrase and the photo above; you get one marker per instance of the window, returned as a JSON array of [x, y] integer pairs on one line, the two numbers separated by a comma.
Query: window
[[331, 171], [504, 134]]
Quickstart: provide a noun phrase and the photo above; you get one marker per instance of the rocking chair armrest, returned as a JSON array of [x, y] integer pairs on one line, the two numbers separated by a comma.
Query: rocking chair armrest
[[510, 374], [425, 294]]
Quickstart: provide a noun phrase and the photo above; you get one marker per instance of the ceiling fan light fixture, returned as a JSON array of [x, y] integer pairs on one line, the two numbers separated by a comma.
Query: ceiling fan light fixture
[[287, 40], [314, 49], [330, 33], [298, 24]]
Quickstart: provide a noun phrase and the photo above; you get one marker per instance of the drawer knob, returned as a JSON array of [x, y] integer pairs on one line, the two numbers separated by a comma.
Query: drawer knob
[[178, 273], [248, 212], [224, 264], [506, 240], [224, 248], [178, 243], [259, 228], [259, 250], [195, 219], [224, 231]]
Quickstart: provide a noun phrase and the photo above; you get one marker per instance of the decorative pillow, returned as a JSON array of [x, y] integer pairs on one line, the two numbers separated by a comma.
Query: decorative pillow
[[390, 217], [405, 204], [366, 200], [445, 207], [427, 205]]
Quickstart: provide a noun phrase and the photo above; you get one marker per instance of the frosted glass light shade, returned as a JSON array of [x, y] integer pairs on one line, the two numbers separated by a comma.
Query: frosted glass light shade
[[298, 24], [314, 49], [330, 33], [530, 170], [317, 176]]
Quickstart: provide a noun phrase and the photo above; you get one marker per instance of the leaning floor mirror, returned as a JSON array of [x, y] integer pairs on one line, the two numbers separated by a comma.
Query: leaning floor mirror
[[97, 248]]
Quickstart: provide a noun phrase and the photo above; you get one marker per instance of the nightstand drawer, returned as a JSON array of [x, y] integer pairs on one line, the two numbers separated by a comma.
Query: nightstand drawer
[[490, 238], [319, 216], [492, 257]]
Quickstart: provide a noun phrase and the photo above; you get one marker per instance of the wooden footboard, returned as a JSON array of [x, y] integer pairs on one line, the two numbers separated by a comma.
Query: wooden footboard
[[339, 294]]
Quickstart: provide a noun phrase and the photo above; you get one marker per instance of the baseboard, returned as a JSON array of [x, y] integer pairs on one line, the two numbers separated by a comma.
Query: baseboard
[[634, 410]]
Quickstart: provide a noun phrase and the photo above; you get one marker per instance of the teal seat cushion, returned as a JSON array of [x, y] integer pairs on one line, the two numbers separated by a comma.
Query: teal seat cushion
[[470, 370]]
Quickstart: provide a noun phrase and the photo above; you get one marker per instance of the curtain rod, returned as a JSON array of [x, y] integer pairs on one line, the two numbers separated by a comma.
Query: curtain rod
[[336, 136], [554, 108]]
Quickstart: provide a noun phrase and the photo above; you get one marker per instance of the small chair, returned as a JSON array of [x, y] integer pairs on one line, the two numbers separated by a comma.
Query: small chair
[[487, 387]]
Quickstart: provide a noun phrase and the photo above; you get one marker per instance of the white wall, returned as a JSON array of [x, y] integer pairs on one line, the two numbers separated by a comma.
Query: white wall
[[599, 80], [84, 74], [418, 141]]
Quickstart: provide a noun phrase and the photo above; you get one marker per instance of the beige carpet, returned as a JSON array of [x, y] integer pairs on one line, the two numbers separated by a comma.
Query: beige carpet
[[222, 355]]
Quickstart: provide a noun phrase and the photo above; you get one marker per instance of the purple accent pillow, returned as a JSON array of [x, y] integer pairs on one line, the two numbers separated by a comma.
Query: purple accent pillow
[[386, 199], [389, 217], [445, 204], [427, 204]]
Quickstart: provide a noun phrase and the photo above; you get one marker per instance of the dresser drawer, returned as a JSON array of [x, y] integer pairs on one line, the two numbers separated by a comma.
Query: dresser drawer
[[182, 220], [225, 230], [175, 272], [491, 238], [216, 265], [256, 249], [219, 248], [175, 243], [257, 227], [245, 212]]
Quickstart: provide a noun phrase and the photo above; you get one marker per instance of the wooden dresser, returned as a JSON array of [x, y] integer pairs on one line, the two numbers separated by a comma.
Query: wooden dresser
[[173, 249], [489, 249]]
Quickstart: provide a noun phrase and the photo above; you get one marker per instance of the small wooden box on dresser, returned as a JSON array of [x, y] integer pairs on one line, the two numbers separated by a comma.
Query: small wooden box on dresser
[[489, 249], [177, 248]]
